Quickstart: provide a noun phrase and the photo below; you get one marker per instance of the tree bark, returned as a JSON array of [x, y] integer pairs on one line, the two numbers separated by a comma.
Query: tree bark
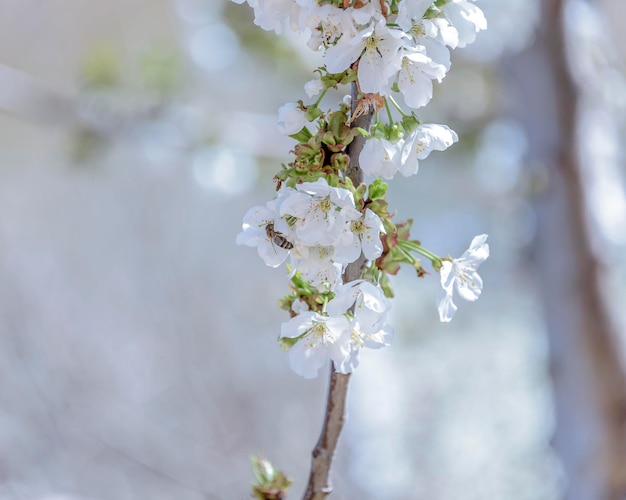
[[320, 485], [586, 367]]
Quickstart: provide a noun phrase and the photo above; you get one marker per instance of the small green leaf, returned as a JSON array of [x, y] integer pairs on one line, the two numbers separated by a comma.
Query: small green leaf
[[377, 190], [271, 484]]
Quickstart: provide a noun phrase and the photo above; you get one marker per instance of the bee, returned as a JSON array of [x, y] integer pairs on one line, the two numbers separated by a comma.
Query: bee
[[277, 238]]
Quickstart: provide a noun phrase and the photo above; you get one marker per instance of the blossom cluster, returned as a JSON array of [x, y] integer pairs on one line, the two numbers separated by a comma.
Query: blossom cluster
[[318, 227], [320, 222]]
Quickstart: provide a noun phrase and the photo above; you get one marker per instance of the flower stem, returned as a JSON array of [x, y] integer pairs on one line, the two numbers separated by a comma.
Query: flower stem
[[413, 246], [389, 115], [396, 105], [319, 99]]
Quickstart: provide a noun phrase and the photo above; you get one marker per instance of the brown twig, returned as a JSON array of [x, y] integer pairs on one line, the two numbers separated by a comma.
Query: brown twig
[[319, 485]]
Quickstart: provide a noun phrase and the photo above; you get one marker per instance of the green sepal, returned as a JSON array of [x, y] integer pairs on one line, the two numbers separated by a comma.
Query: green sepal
[[404, 229], [437, 264], [286, 302], [359, 193], [410, 123], [394, 132], [385, 284], [335, 79], [286, 343], [417, 265], [349, 76], [379, 129], [389, 226], [434, 10], [302, 136], [379, 207], [393, 254], [302, 286], [312, 113]]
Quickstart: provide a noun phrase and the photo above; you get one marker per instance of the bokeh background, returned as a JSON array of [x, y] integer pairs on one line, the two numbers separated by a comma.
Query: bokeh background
[[138, 354]]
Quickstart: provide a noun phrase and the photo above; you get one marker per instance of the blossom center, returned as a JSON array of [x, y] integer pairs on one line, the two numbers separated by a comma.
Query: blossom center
[[462, 274], [371, 45], [357, 226], [407, 70], [325, 205], [418, 30], [319, 335]]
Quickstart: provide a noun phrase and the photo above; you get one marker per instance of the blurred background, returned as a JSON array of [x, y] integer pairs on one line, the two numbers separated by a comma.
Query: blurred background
[[138, 354]]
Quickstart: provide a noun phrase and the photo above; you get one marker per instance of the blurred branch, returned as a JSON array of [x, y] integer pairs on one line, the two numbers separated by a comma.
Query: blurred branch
[[587, 372], [319, 485], [103, 112], [23, 95]]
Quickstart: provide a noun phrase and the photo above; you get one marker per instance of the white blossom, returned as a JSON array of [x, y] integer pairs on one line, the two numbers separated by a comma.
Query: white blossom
[[320, 338], [419, 144], [319, 227], [460, 275], [369, 326], [383, 158], [380, 157], [328, 24], [274, 15], [466, 18], [435, 36], [364, 236], [255, 233], [291, 118], [316, 265], [410, 12], [439, 30], [378, 47], [313, 87], [319, 212], [417, 71]]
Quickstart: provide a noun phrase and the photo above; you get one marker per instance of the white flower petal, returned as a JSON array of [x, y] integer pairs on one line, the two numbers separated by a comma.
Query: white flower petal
[[291, 119], [460, 275], [339, 57], [322, 338], [380, 158], [466, 18], [447, 308], [313, 87], [470, 287], [306, 362]]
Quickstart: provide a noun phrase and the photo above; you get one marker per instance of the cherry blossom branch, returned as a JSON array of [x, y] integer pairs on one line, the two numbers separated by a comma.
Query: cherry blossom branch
[[336, 231], [319, 485]]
